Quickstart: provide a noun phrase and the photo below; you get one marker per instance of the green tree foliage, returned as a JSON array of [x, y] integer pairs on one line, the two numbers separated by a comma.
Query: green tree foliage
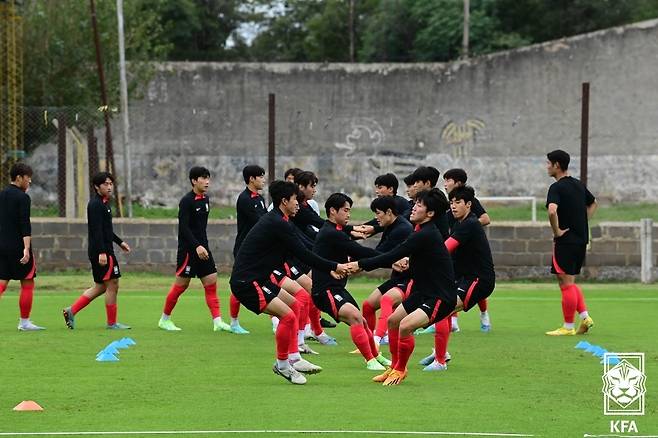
[[389, 33]]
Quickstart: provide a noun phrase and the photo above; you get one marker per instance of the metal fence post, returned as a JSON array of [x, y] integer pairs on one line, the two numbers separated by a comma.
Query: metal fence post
[[646, 250]]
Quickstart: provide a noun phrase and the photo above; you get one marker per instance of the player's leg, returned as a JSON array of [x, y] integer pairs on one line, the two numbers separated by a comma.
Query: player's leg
[[370, 306], [391, 299], [111, 294], [441, 338], [25, 305], [303, 298], [393, 342], [485, 320], [3, 286], [285, 331], [209, 283], [586, 321], [360, 334], [313, 325], [83, 300], [179, 286]]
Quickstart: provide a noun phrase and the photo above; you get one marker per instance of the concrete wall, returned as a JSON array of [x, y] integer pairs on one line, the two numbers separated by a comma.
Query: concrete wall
[[520, 250]]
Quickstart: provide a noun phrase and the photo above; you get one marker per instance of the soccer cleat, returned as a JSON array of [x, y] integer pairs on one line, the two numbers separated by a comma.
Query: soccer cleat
[[325, 339], [382, 360], [374, 365], [436, 366], [221, 326], [384, 340], [395, 378], [326, 323], [447, 357], [426, 331], [118, 326], [29, 327], [486, 328], [306, 367], [383, 376], [454, 328], [585, 325], [429, 359], [168, 324], [237, 329], [290, 374], [305, 349], [69, 318], [562, 331], [355, 351]]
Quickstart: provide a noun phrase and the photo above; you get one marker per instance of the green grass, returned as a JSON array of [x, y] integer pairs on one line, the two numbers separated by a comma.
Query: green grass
[[514, 379]]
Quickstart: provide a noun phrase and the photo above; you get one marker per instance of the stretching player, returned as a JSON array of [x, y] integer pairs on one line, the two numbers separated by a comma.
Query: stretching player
[[194, 258], [104, 266], [16, 257], [263, 250], [569, 205]]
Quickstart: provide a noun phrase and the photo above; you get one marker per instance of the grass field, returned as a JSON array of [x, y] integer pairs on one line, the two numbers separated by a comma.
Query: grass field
[[512, 380]]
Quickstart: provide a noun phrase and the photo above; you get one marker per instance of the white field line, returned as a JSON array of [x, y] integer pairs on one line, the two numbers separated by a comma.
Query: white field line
[[217, 432]]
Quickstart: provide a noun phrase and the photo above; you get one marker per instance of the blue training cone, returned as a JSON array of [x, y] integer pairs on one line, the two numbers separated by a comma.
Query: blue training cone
[[613, 359], [120, 344], [128, 341], [111, 349], [107, 357], [591, 348], [599, 352], [582, 345]]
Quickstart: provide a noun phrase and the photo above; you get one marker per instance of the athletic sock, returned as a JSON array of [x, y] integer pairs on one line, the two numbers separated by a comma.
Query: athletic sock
[[482, 304], [314, 319], [374, 346], [172, 298], [234, 307], [304, 299], [454, 320], [3, 288], [377, 339], [407, 344], [285, 331], [581, 307], [569, 302], [484, 318], [80, 304], [385, 311], [360, 339], [393, 345], [212, 301], [369, 314], [164, 317], [111, 311], [25, 300], [441, 338], [282, 364], [293, 346], [25, 321]]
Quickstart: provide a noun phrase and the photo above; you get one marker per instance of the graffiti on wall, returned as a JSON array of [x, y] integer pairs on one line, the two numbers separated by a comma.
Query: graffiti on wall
[[461, 136], [364, 133]]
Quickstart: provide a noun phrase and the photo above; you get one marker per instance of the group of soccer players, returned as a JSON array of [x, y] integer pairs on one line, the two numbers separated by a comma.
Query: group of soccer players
[[291, 264]]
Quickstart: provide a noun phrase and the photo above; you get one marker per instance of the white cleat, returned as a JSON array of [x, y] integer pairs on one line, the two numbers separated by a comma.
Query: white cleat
[[305, 349], [290, 374], [306, 367], [29, 327]]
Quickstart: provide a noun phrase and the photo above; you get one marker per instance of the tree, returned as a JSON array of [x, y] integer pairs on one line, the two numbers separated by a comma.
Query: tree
[[389, 33]]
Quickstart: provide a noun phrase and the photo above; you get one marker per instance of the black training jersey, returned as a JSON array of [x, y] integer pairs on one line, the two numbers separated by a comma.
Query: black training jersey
[[394, 235], [333, 244], [430, 264], [472, 258], [572, 199], [250, 208], [267, 246], [14, 220], [440, 221], [99, 226], [476, 208], [193, 211], [403, 208]]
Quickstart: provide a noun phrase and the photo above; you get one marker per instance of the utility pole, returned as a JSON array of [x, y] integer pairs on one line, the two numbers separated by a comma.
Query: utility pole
[[351, 26], [465, 37], [124, 110]]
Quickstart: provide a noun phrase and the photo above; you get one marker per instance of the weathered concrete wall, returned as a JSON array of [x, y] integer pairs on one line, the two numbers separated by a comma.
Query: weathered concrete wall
[[495, 115], [520, 250]]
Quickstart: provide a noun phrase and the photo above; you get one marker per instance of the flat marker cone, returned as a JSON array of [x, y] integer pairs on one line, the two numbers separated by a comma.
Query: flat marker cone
[[582, 345], [128, 341], [28, 405], [107, 357], [120, 344]]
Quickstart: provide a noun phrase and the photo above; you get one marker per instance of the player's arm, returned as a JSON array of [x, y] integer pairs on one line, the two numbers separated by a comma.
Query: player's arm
[[296, 247], [480, 213], [387, 259], [95, 224], [484, 219], [554, 221], [590, 201], [355, 250], [396, 237], [246, 210], [25, 227], [184, 213]]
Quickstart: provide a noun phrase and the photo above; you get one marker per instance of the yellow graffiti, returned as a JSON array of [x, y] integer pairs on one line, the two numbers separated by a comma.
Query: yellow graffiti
[[454, 134]]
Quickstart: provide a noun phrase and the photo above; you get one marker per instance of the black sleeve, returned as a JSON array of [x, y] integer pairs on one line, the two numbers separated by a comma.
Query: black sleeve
[[477, 209], [308, 217], [387, 259], [463, 232], [296, 247], [553, 196], [116, 239], [184, 211], [95, 225], [396, 237], [373, 223], [24, 217], [354, 250], [589, 198], [246, 210]]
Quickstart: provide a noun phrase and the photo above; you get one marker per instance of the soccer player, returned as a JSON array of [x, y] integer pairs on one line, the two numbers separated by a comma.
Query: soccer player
[[389, 294], [387, 185], [569, 205], [104, 266], [425, 178], [452, 179], [433, 295], [250, 207], [194, 258], [16, 257], [473, 263], [263, 250], [329, 294]]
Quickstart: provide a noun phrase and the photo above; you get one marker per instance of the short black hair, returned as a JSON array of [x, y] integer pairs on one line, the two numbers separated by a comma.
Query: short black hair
[[427, 173], [101, 177], [337, 201], [409, 179], [464, 193], [560, 157], [387, 180], [434, 200], [294, 171], [252, 170], [280, 190], [198, 172], [457, 175], [20, 169], [306, 178], [383, 203]]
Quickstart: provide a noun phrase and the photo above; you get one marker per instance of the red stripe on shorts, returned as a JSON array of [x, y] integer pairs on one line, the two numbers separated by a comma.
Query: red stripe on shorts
[[436, 310], [110, 262], [471, 288], [261, 298], [333, 304], [30, 274], [182, 268], [555, 265]]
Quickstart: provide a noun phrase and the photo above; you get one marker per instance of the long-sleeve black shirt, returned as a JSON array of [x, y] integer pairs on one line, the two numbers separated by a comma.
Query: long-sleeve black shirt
[[394, 235], [472, 258], [440, 221], [430, 265], [403, 207], [306, 216], [333, 244], [250, 207], [14, 220], [267, 246], [99, 227], [193, 213]]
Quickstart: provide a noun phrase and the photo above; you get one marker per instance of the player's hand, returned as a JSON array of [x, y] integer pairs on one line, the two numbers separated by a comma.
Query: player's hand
[[124, 247], [353, 267], [368, 230], [561, 232], [26, 256], [401, 265], [202, 252], [358, 235], [102, 259]]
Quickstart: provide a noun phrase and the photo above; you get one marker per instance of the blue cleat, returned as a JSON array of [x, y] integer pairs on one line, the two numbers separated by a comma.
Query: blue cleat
[[118, 326], [238, 330], [69, 318], [436, 366], [485, 328]]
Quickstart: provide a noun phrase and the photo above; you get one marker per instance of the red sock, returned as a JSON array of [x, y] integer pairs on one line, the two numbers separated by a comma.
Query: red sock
[[304, 300], [286, 329], [441, 338], [111, 311], [482, 304], [406, 347], [360, 339], [314, 316], [212, 300], [580, 302], [373, 347], [384, 313], [569, 303], [80, 304], [234, 306], [172, 298], [394, 345], [296, 308], [25, 300], [3, 288], [369, 314]]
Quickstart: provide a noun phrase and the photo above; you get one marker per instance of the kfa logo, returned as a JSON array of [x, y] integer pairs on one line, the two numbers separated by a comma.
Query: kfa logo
[[116, 269], [266, 290], [188, 268], [338, 298], [624, 385]]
